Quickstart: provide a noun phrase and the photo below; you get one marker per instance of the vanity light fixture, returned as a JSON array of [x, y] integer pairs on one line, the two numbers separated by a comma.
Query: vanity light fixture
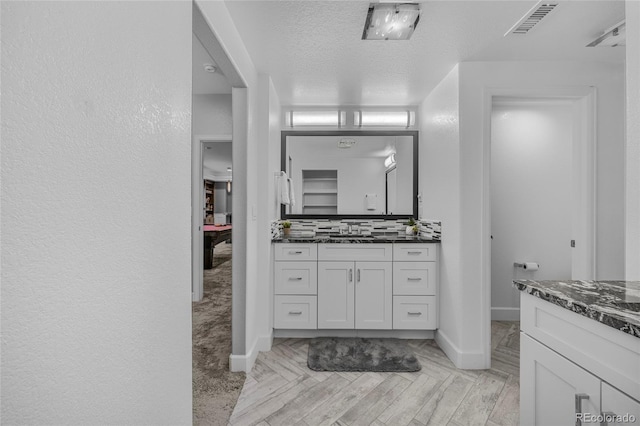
[[391, 21], [229, 181], [315, 118], [384, 118]]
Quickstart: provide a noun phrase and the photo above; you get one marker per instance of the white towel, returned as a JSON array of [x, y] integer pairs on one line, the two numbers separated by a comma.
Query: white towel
[[292, 197], [283, 189]]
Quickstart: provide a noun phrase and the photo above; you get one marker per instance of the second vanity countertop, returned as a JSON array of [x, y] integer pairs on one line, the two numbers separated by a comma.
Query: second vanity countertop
[[357, 239], [613, 303]]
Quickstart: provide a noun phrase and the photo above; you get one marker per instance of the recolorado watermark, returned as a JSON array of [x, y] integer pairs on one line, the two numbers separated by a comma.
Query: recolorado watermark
[[606, 418]]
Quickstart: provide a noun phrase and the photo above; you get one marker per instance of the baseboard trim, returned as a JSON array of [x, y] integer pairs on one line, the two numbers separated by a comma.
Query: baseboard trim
[[462, 360], [245, 362], [505, 314], [384, 334], [265, 342]]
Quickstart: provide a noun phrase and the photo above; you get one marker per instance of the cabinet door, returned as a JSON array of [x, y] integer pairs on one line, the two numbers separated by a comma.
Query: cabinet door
[[374, 298], [551, 387], [335, 295], [618, 407]]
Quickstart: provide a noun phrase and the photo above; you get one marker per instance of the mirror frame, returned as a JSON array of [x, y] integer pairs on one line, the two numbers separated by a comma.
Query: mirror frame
[[351, 133]]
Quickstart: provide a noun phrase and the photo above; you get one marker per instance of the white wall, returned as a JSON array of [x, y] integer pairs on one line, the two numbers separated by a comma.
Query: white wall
[[632, 149], [96, 135], [531, 196], [212, 115], [269, 152], [453, 182], [249, 182], [440, 185]]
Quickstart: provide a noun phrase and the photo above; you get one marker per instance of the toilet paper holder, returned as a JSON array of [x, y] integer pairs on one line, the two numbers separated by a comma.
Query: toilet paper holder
[[527, 265]]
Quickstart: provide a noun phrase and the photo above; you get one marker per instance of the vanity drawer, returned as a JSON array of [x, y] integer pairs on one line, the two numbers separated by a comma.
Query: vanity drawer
[[355, 252], [414, 278], [295, 312], [285, 251], [296, 277], [414, 313], [415, 252]]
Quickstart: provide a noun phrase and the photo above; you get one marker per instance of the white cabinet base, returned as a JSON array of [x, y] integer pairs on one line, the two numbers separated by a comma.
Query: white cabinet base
[[368, 334], [414, 312], [295, 312]]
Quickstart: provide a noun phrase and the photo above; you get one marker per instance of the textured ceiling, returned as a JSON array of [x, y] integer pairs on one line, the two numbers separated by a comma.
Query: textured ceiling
[[206, 83], [315, 56]]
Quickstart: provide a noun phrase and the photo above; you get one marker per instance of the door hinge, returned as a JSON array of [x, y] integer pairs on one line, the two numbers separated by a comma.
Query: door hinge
[[573, 243]]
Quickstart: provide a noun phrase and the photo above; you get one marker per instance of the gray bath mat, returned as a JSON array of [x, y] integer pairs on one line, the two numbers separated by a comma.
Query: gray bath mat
[[357, 354]]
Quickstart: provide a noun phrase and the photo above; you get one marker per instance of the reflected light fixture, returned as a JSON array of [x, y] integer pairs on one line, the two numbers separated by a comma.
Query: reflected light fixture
[[229, 181], [390, 161], [384, 118], [315, 118], [614, 36], [391, 21]]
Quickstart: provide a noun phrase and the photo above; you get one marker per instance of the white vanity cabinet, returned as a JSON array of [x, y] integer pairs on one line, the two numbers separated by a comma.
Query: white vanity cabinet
[[355, 291], [573, 369], [415, 282], [355, 286], [295, 286]]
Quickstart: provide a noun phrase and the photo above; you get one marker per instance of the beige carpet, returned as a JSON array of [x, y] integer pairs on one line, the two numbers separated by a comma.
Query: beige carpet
[[215, 389]]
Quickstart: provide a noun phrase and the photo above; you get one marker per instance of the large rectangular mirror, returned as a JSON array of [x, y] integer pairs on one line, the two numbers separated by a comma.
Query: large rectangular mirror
[[351, 174]]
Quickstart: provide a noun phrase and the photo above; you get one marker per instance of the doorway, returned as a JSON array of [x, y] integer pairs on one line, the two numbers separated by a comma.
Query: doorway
[[531, 196], [539, 180]]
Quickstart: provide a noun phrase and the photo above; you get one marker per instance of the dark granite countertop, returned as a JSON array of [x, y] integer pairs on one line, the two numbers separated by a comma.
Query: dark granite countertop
[[357, 239], [613, 303]]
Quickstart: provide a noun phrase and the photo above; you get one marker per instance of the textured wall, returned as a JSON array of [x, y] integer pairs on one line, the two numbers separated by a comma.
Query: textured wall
[[439, 184], [212, 115], [632, 180], [96, 294]]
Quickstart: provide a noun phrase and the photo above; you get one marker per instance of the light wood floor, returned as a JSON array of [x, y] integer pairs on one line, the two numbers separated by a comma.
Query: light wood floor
[[281, 390]]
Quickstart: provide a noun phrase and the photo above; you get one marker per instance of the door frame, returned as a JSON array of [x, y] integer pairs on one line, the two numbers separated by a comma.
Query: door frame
[[197, 206], [584, 181]]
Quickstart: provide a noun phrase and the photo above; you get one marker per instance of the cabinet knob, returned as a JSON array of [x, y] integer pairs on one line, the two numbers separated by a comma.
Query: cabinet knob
[[295, 252], [414, 313], [414, 279], [579, 397], [414, 252], [295, 278], [295, 312]]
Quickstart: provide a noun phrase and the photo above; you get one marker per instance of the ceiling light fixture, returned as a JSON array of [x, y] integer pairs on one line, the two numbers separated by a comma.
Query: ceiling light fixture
[[384, 118], [209, 68], [614, 36], [391, 21], [315, 118]]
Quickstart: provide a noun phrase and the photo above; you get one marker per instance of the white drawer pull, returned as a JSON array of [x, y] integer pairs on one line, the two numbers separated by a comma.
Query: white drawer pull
[[295, 252], [414, 252], [414, 279], [295, 278], [295, 312], [414, 313]]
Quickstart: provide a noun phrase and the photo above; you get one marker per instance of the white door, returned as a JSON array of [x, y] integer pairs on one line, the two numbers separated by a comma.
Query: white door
[[374, 300], [616, 403], [559, 390], [335, 295]]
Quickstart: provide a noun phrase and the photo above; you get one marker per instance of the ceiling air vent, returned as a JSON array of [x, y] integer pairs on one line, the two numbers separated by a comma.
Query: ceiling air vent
[[532, 18]]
